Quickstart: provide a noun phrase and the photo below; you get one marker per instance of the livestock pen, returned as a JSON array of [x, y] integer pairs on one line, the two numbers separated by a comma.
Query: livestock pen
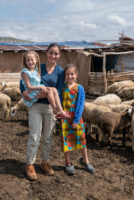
[[99, 64]]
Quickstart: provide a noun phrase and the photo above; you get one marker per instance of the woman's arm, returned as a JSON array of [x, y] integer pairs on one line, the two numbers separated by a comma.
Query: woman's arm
[[24, 92], [79, 105]]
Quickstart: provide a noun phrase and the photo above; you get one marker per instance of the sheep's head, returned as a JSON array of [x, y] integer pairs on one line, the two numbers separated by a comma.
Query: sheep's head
[[13, 112], [130, 112]]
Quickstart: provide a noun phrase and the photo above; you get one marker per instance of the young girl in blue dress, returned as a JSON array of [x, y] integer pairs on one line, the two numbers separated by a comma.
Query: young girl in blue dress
[[72, 130], [31, 80]]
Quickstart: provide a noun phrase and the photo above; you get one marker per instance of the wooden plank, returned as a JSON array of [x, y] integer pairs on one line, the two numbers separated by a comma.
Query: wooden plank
[[13, 77]]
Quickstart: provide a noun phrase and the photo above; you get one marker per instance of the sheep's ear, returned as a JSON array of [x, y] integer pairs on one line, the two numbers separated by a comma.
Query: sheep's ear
[[3, 84], [129, 110]]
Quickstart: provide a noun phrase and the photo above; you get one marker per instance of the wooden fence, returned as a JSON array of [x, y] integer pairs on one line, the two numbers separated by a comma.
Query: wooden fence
[[10, 77], [97, 83], [116, 77]]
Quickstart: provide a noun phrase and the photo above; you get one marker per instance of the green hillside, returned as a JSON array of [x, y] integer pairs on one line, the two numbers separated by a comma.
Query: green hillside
[[12, 40]]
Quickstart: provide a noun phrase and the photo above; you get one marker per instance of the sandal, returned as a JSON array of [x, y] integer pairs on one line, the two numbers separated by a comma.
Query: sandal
[[30, 172], [48, 172], [65, 116]]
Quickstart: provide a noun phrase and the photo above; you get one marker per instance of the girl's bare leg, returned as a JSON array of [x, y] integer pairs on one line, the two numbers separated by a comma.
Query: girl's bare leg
[[84, 155], [67, 158], [60, 111], [51, 99]]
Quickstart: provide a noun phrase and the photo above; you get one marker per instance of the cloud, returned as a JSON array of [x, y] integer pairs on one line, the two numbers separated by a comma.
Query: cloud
[[119, 21], [78, 6], [58, 20], [88, 25]]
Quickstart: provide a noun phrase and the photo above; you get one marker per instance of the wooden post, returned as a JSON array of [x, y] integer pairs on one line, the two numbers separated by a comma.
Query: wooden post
[[122, 69], [108, 74], [90, 60], [92, 65], [104, 63]]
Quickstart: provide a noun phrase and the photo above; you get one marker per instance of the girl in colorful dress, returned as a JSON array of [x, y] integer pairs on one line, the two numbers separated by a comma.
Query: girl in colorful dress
[[72, 130], [31, 78]]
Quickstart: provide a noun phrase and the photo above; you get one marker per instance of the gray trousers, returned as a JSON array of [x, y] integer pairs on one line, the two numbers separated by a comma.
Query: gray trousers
[[41, 120]]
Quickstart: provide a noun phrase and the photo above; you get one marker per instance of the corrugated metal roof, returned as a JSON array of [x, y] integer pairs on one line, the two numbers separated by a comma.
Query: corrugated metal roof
[[72, 45], [21, 47]]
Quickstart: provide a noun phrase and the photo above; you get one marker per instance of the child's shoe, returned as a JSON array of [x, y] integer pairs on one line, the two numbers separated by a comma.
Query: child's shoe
[[89, 168], [69, 169]]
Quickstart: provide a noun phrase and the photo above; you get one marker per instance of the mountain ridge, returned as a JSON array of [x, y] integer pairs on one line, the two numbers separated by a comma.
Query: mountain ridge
[[12, 40]]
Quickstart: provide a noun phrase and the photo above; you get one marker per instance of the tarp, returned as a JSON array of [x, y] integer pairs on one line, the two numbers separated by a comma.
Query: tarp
[[128, 59], [66, 43]]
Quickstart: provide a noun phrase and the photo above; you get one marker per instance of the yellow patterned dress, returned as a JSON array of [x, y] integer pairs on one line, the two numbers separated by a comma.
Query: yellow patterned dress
[[71, 139]]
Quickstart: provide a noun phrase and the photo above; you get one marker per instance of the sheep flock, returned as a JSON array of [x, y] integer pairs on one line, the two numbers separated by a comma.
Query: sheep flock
[[113, 111]]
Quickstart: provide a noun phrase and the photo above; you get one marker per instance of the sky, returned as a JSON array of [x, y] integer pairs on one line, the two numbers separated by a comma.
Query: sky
[[66, 20]]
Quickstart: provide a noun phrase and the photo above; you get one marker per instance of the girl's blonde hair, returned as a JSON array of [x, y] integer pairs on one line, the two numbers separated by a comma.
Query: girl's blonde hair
[[37, 58], [71, 66]]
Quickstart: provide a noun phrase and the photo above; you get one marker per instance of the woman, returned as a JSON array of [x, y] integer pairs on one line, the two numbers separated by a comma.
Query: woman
[[52, 75]]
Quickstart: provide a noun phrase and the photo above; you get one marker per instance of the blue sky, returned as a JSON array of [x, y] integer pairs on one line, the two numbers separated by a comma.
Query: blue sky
[[66, 20]]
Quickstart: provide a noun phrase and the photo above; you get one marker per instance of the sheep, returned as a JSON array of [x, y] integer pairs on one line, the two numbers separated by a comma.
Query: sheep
[[109, 121], [126, 93], [91, 113], [128, 102], [120, 107], [132, 128], [1, 86], [128, 85], [18, 107], [5, 103], [103, 104], [13, 92], [11, 84], [112, 88], [109, 99]]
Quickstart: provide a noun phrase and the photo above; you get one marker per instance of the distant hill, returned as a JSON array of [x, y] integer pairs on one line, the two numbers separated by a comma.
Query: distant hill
[[12, 40]]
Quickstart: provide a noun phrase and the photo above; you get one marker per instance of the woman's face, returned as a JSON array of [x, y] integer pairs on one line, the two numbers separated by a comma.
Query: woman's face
[[53, 54]]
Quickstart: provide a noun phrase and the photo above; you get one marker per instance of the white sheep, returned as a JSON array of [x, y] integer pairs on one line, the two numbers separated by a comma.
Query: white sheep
[[11, 84], [120, 107], [5, 104], [20, 106], [1, 86], [91, 113], [127, 93], [14, 93], [128, 85], [115, 86], [109, 99], [128, 102]]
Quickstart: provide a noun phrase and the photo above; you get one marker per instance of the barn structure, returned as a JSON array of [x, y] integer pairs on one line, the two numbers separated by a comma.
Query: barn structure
[[99, 63]]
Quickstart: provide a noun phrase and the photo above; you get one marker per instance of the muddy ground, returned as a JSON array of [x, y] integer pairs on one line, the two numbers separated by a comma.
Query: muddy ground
[[113, 179]]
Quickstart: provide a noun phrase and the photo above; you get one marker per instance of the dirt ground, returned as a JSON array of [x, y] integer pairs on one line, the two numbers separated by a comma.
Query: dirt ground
[[112, 180]]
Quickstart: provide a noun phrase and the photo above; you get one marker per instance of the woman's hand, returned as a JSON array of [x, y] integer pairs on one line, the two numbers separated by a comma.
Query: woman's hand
[[74, 125], [26, 95], [41, 94]]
